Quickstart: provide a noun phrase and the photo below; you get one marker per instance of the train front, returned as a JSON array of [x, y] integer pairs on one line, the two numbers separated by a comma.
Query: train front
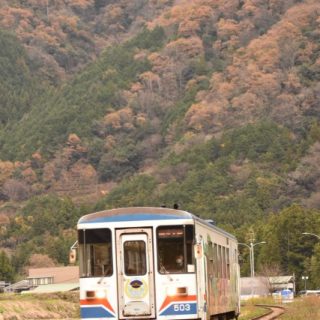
[[137, 263]]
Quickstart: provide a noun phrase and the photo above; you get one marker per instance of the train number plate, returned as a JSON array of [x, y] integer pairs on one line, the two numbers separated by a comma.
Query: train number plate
[[182, 307]]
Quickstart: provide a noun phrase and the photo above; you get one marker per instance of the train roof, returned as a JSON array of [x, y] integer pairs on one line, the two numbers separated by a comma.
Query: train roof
[[135, 214], [145, 214]]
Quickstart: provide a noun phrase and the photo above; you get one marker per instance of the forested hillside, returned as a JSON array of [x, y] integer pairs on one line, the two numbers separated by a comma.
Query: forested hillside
[[211, 104]]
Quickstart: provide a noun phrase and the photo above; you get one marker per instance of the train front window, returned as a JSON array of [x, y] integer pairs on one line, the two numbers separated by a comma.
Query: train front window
[[95, 252], [175, 254]]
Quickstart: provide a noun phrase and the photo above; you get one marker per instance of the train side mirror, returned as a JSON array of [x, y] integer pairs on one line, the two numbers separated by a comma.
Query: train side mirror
[[198, 251], [72, 256], [73, 253]]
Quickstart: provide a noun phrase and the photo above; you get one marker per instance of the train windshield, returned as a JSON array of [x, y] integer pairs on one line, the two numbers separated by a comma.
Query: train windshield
[[175, 249], [95, 252]]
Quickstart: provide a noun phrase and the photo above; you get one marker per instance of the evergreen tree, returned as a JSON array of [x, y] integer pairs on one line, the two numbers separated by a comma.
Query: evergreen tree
[[6, 269], [315, 267]]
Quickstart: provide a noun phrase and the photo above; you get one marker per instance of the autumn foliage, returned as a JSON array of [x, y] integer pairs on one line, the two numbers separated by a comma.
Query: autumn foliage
[[211, 103]]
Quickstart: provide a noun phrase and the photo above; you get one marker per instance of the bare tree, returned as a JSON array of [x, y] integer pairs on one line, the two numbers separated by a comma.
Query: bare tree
[[16, 190]]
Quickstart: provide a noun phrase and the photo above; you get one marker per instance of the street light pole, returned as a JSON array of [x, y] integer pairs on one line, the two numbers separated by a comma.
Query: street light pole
[[252, 258], [251, 251], [305, 278], [252, 246]]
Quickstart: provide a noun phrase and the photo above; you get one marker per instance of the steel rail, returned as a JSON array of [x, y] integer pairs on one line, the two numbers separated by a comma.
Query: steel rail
[[274, 312]]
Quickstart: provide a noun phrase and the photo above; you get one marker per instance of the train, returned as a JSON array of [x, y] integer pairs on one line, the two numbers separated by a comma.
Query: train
[[156, 263]]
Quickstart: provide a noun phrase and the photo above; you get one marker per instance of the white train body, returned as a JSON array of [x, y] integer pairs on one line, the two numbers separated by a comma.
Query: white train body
[[156, 263]]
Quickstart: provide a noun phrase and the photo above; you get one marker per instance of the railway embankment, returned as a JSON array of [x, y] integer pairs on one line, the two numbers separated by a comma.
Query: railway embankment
[[35, 306]]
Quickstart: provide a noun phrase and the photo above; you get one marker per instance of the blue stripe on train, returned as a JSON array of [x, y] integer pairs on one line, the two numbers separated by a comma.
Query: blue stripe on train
[[176, 309], [95, 312]]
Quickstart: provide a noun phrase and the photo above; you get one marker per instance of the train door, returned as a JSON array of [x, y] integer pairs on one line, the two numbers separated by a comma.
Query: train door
[[136, 296]]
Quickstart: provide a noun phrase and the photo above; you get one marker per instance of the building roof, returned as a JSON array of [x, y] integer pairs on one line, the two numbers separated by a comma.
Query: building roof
[[57, 287], [281, 280], [18, 286]]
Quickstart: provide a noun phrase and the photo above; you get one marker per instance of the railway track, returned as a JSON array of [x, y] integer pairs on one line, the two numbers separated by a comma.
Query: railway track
[[274, 312]]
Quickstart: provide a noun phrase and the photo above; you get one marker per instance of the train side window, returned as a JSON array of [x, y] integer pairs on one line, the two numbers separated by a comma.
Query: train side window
[[228, 263], [215, 257], [223, 251], [219, 262], [210, 259], [210, 250]]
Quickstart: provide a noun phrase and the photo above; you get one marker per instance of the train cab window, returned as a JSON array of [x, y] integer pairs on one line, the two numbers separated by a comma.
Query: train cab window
[[95, 252], [175, 249]]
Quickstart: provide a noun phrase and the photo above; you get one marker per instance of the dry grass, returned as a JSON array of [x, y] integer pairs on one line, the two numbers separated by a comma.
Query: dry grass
[[39, 306], [307, 308], [66, 306], [249, 309]]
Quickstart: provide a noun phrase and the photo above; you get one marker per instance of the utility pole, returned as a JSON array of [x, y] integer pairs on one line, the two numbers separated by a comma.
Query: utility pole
[[47, 9]]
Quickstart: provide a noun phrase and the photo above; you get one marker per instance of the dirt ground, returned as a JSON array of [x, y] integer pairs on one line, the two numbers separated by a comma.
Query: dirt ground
[[39, 306]]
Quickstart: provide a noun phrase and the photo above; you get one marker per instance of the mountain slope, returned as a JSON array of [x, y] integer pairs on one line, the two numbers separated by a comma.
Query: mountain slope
[[17, 86], [210, 104], [209, 68], [63, 36]]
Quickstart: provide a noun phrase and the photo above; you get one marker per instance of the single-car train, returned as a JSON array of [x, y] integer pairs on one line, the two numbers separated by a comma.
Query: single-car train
[[156, 263]]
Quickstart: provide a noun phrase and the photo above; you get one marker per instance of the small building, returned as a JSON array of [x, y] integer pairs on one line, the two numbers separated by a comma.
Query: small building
[[48, 279], [55, 275], [254, 287], [282, 283], [264, 286]]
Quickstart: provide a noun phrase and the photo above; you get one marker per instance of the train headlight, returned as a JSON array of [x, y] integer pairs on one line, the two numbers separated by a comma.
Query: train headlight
[[174, 291], [100, 294]]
